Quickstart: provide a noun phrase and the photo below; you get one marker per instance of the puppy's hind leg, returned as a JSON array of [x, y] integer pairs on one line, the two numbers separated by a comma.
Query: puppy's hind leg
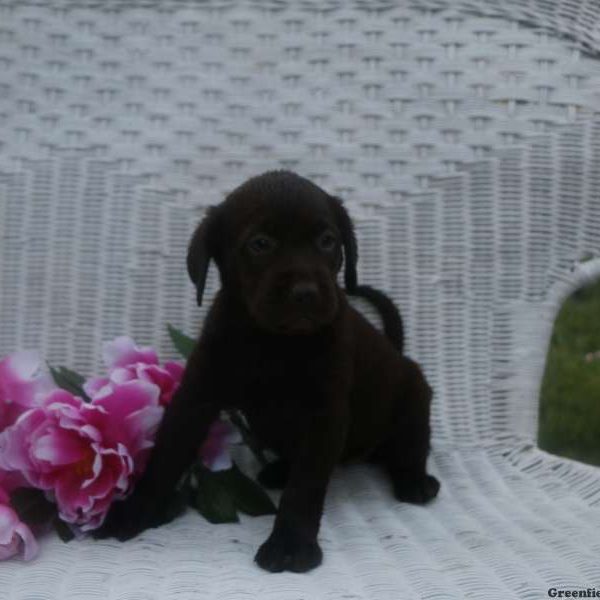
[[404, 453]]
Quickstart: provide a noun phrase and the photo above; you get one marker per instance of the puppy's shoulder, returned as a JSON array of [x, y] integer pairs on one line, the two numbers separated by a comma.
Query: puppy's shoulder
[[367, 339]]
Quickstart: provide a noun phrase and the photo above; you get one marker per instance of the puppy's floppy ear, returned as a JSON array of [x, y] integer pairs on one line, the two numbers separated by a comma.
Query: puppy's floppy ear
[[346, 228], [201, 249]]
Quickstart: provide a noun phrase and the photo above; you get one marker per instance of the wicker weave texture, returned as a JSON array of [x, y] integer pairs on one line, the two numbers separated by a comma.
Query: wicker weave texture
[[494, 533], [579, 20], [119, 126], [370, 103], [468, 152]]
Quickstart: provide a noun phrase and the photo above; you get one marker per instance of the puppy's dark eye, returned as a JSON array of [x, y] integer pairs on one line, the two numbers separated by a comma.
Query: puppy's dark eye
[[327, 241], [261, 244]]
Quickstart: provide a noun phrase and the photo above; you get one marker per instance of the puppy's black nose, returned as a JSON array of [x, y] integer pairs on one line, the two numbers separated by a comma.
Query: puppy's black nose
[[305, 292]]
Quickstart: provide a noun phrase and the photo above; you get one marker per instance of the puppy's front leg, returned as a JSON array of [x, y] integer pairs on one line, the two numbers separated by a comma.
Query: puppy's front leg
[[184, 426], [293, 546]]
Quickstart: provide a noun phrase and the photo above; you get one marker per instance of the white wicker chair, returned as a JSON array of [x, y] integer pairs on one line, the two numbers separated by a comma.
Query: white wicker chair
[[469, 153]]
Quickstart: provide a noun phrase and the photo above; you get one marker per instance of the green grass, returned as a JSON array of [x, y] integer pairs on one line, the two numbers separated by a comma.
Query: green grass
[[570, 400]]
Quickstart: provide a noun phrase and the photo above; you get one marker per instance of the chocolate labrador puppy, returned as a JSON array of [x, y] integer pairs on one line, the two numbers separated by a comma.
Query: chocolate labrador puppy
[[316, 381]]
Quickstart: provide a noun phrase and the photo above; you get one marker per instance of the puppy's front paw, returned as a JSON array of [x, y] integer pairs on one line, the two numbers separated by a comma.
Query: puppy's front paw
[[129, 517], [286, 551], [416, 489]]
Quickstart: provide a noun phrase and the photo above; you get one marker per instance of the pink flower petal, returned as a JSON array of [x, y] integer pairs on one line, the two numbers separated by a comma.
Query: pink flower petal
[[21, 366], [8, 521], [28, 542], [162, 378], [128, 398], [9, 550], [60, 447], [22, 379], [71, 403], [121, 375], [101, 480], [11, 480], [143, 425], [122, 352], [95, 385], [175, 369], [15, 537], [14, 455], [9, 413], [215, 449], [72, 501], [22, 385]]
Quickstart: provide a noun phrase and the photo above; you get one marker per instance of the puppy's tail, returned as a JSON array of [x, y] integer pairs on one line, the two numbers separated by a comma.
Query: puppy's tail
[[390, 315]]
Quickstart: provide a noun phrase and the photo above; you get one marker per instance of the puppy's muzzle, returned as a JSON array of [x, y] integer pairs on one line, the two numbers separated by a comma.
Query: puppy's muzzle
[[305, 294], [294, 301]]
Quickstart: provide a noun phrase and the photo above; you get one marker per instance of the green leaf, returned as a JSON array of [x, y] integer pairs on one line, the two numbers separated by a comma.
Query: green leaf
[[32, 506], [249, 496], [212, 499], [183, 343], [69, 380], [63, 530]]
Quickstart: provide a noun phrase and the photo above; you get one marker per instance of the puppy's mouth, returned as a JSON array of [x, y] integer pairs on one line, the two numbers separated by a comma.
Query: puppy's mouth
[[296, 324], [280, 314], [300, 325]]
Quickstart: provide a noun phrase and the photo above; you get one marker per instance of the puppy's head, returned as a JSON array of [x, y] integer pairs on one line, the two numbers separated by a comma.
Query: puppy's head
[[278, 241]]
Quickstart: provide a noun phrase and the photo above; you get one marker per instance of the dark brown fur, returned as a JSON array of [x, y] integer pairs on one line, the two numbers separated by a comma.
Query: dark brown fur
[[317, 383]]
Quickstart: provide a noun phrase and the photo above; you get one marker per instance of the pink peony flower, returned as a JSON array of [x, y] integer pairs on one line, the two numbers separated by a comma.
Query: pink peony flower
[[22, 385], [15, 537], [11, 480], [127, 362], [84, 454], [215, 449]]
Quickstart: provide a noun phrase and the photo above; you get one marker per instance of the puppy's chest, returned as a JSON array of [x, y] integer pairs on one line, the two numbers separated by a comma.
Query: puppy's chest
[[279, 389], [276, 411], [281, 382]]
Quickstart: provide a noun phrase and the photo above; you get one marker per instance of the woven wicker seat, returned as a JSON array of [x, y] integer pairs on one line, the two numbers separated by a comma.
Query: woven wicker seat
[[467, 147]]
